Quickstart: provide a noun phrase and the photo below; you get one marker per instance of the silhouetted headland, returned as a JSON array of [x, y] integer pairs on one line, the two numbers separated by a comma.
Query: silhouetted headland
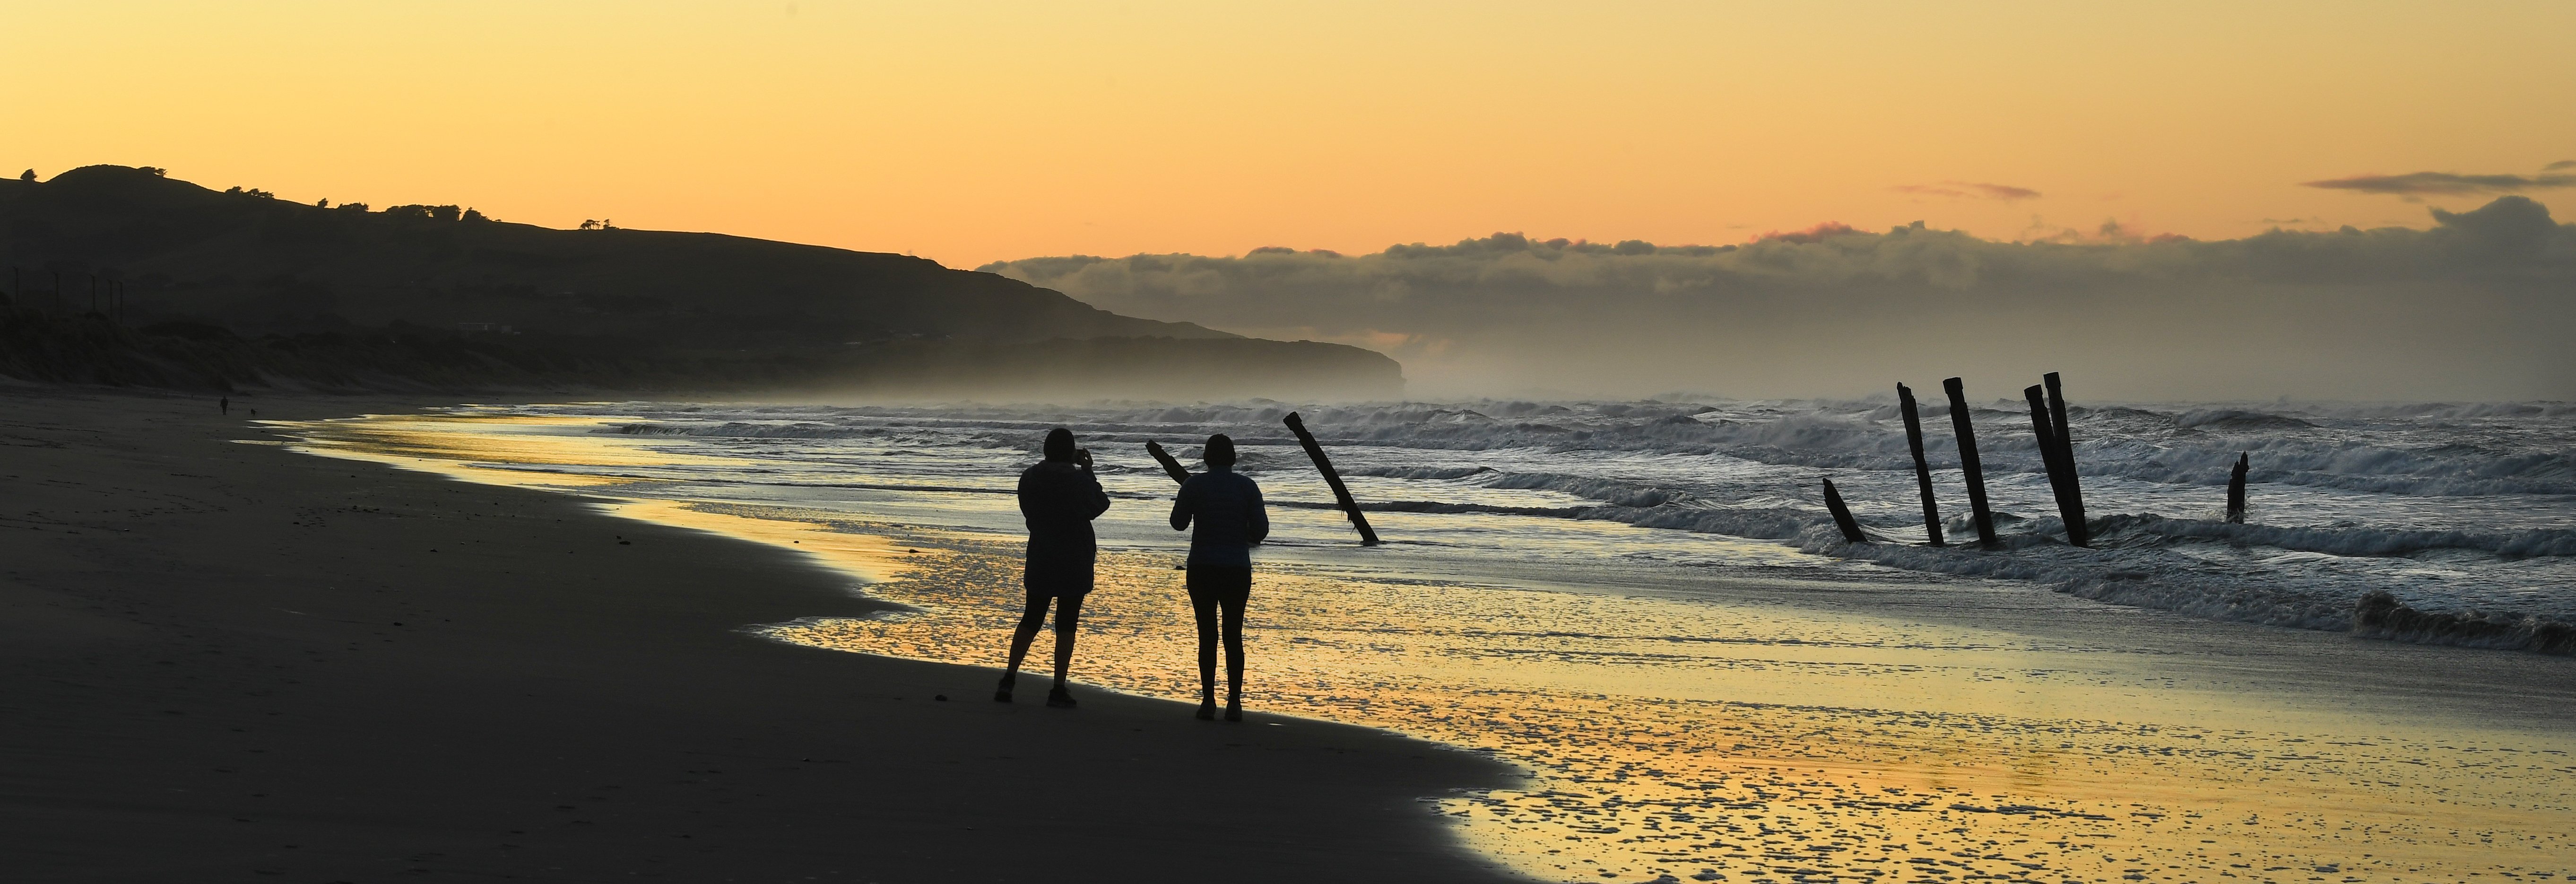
[[217, 290]]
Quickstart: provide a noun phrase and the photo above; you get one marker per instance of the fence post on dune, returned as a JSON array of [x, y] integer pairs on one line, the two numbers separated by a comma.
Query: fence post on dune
[[1976, 472], [1341, 493], [2236, 490], [2066, 456], [1171, 467], [2054, 458], [1842, 515], [1922, 468]]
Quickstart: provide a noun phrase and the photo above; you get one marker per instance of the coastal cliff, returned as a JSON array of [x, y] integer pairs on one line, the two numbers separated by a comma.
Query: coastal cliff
[[120, 275]]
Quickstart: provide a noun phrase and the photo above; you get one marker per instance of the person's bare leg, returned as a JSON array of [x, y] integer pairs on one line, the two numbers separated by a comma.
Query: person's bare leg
[[1233, 630], [1030, 619], [1068, 617], [1203, 604]]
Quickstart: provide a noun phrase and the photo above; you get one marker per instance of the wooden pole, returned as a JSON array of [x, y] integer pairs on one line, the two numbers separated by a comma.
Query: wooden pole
[[1922, 468], [2236, 490], [1976, 472], [2066, 457], [1170, 466], [2045, 430], [2057, 410], [1341, 493], [1842, 515]]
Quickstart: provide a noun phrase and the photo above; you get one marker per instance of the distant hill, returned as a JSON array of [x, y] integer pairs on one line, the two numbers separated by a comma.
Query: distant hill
[[229, 277]]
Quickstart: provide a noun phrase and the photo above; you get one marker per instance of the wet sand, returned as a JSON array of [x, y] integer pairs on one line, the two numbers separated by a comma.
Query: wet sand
[[1736, 728], [233, 662]]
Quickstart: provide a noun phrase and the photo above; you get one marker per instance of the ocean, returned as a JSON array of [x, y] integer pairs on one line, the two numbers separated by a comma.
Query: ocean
[[1646, 605]]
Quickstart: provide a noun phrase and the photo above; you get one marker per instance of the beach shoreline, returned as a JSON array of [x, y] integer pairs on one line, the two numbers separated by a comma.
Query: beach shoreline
[[1742, 717], [235, 662]]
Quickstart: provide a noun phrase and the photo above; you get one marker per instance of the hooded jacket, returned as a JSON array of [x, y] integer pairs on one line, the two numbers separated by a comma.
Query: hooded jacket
[[1059, 499]]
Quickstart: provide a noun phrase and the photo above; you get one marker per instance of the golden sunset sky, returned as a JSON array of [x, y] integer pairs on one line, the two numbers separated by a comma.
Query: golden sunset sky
[[972, 132]]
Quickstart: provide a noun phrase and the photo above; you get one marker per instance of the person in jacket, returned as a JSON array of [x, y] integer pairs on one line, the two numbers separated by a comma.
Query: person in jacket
[[1059, 497], [1226, 507]]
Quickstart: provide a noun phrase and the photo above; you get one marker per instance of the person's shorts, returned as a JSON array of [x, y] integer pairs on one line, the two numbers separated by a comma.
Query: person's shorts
[[1054, 583], [1226, 585]]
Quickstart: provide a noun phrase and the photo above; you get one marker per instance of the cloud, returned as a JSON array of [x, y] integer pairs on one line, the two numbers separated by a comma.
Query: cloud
[[1818, 233], [2445, 183], [2561, 164], [1970, 190], [2471, 308]]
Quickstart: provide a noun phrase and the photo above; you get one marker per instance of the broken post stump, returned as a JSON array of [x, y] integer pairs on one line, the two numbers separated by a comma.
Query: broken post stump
[[1324, 465], [2044, 428], [1171, 466], [1922, 468], [2236, 490], [1976, 472], [1842, 515], [2066, 456]]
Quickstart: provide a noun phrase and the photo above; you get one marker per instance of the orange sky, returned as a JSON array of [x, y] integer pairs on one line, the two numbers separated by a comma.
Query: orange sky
[[976, 132]]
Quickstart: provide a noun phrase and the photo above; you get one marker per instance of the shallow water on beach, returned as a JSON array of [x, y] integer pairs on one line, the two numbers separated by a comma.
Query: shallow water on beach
[[1690, 705]]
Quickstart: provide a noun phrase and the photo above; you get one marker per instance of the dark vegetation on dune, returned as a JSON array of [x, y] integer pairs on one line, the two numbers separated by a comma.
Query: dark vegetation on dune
[[199, 289]]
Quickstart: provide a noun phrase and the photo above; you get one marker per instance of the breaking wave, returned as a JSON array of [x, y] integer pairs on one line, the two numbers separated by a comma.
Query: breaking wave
[[2445, 522]]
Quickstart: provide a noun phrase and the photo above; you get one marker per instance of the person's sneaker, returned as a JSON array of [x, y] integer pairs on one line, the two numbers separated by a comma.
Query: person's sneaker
[[1060, 698], [1207, 710], [1002, 692], [1234, 710]]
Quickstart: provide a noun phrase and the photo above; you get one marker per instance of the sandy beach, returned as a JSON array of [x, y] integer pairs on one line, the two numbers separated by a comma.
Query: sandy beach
[[1686, 705], [228, 661]]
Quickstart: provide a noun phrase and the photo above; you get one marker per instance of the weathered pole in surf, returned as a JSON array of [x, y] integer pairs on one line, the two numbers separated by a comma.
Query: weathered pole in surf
[[1976, 472], [1842, 515], [2236, 490], [2066, 455], [2059, 465], [1171, 467], [1922, 468], [1341, 493]]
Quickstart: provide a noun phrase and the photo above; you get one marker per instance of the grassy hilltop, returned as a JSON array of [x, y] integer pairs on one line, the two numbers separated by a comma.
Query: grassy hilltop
[[233, 288]]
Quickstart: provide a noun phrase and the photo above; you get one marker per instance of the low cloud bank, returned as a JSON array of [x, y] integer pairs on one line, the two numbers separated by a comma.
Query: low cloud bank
[[2481, 306], [2446, 183]]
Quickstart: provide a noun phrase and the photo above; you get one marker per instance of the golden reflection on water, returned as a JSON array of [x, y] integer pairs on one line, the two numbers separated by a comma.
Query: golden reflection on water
[[488, 448], [1674, 740]]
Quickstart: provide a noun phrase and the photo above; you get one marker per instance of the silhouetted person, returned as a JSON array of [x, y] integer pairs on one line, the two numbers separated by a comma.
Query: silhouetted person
[[1059, 497], [1227, 509], [225, 403]]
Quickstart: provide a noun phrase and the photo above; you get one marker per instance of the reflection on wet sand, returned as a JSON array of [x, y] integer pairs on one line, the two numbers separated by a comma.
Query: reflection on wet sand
[[1676, 737]]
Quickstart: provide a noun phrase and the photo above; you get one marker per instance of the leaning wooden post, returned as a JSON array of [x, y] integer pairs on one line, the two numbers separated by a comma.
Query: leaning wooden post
[[1170, 466], [2055, 459], [2236, 490], [1976, 473], [1341, 493], [1842, 515], [2066, 455], [1922, 468]]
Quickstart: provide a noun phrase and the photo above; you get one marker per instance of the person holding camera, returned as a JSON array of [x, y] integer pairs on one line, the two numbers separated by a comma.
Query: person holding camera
[[1059, 497]]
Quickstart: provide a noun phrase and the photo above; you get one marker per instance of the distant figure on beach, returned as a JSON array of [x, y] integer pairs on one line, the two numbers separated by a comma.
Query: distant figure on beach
[[1227, 509], [1059, 497], [225, 403]]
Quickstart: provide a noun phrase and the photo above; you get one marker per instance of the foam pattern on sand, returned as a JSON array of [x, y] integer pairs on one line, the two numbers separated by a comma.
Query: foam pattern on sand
[[2465, 511]]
